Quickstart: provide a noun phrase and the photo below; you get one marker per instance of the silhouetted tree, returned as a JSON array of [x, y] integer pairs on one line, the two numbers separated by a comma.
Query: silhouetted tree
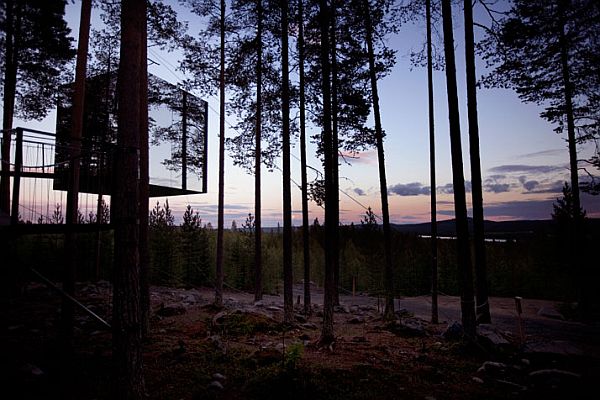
[[387, 232], [331, 230], [434, 263], [563, 208], [460, 204], [303, 166], [482, 309], [254, 78], [547, 51], [288, 298], [257, 157], [200, 57], [369, 221], [127, 334], [69, 273], [36, 49], [195, 245]]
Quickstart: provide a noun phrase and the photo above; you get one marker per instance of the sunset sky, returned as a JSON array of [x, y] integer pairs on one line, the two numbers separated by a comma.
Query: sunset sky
[[524, 163]]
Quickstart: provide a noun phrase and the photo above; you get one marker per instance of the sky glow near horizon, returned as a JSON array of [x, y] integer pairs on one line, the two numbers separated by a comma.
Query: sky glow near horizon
[[523, 162]]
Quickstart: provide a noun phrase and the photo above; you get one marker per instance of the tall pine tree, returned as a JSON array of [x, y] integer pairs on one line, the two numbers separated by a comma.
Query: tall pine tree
[[36, 49]]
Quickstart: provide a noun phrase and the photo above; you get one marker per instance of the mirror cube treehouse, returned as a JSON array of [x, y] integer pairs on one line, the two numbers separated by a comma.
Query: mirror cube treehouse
[[178, 134]]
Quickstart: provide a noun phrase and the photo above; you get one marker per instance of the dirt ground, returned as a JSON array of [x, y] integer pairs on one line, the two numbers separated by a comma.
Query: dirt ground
[[195, 351]]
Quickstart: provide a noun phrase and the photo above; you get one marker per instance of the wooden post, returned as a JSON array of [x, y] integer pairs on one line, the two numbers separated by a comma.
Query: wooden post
[[14, 217], [519, 319]]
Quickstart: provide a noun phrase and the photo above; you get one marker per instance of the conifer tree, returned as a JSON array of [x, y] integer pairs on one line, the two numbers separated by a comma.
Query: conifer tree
[[465, 272], [547, 52], [127, 326], [482, 310], [37, 47]]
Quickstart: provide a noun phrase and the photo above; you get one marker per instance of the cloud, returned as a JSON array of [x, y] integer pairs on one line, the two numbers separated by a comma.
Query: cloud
[[496, 184], [549, 187], [359, 191], [496, 187], [410, 189], [448, 188], [530, 185], [530, 169], [542, 153]]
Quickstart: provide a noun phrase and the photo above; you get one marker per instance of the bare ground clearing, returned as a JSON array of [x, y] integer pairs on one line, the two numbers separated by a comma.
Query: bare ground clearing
[[256, 357]]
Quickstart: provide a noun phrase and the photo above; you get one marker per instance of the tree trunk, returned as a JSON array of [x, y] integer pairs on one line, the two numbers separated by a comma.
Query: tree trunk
[[387, 231], [335, 245], [327, 333], [257, 162], [288, 298], [434, 263], [10, 82], [304, 183], [483, 307], [127, 349], [575, 233], [220, 222], [144, 186], [69, 273], [460, 204]]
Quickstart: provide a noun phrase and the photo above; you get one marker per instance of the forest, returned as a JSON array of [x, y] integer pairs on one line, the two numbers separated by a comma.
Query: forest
[[189, 310]]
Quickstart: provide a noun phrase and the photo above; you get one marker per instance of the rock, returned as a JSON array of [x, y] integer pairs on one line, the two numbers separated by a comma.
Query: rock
[[414, 326], [550, 312], [219, 318], [267, 356], [354, 309], [217, 343], [259, 303], [407, 327], [453, 332], [218, 377], [477, 380], [309, 325], [367, 308], [300, 318], [273, 308], [403, 313], [341, 309], [492, 367], [356, 320], [491, 337], [215, 385], [189, 298], [171, 310]]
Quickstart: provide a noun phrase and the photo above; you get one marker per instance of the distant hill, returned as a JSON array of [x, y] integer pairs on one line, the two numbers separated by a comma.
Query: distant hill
[[493, 229]]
